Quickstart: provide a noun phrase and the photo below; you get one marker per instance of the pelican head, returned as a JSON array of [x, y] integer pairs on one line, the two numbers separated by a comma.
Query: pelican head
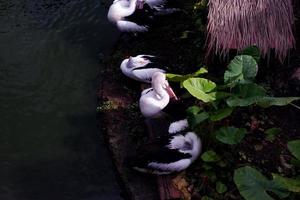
[[137, 61], [161, 85], [153, 101]]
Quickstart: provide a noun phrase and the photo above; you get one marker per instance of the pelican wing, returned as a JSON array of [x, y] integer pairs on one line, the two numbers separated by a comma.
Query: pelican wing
[[145, 75], [141, 56], [155, 3], [127, 26]]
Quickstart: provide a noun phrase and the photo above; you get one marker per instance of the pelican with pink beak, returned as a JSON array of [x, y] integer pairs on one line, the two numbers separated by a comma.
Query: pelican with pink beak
[[154, 100]]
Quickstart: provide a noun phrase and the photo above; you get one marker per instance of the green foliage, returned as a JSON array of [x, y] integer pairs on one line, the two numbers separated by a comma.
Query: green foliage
[[210, 156], [292, 185], [253, 185], [220, 114], [206, 198], [252, 51], [242, 69], [195, 116], [294, 148], [216, 103], [200, 88], [181, 78], [221, 187], [272, 133], [230, 135]]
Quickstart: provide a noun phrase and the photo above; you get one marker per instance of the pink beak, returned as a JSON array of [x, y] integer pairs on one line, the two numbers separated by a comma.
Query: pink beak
[[171, 93]]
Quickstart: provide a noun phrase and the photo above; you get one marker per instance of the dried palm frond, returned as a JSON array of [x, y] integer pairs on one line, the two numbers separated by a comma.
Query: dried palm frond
[[236, 24]]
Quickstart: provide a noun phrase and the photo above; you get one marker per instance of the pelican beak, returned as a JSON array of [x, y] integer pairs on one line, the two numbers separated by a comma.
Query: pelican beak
[[171, 93]]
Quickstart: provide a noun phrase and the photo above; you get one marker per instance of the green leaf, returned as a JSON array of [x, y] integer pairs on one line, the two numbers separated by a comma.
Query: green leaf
[[210, 156], [206, 198], [290, 184], [175, 77], [294, 148], [193, 110], [254, 186], [221, 187], [241, 69], [194, 116], [200, 88], [252, 51], [200, 72], [230, 135], [248, 94], [272, 133], [181, 78], [245, 95], [196, 119], [220, 114], [276, 101]]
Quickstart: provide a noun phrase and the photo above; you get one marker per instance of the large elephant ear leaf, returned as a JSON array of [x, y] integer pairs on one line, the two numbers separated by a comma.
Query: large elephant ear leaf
[[253, 185], [200, 88], [241, 69]]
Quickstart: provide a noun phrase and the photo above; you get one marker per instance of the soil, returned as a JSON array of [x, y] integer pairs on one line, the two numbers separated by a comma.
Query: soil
[[124, 126]]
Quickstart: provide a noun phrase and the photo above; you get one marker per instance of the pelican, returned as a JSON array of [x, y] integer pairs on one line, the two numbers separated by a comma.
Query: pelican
[[170, 153], [136, 15], [119, 13], [154, 100], [140, 68]]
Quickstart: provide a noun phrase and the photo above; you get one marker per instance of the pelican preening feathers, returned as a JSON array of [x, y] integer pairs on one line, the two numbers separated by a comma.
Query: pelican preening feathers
[[154, 100], [141, 67], [170, 153], [136, 15]]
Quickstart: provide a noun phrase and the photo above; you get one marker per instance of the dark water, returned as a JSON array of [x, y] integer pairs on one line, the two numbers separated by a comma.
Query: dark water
[[50, 146]]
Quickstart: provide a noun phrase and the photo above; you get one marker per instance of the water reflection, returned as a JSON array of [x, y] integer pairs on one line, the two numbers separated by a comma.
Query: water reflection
[[50, 147]]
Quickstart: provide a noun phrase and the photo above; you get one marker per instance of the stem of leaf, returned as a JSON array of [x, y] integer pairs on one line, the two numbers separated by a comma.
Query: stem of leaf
[[298, 107]]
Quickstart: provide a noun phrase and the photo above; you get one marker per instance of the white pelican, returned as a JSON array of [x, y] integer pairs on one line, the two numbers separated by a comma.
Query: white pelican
[[170, 153], [154, 100], [136, 15], [140, 68]]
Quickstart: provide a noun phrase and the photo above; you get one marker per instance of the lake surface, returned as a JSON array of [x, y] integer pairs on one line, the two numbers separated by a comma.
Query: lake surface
[[50, 145]]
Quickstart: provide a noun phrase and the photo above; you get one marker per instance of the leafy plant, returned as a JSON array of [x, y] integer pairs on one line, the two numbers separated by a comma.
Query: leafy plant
[[294, 148], [239, 89], [230, 135], [200, 88], [253, 185], [210, 156], [241, 69], [221, 187], [271, 133], [216, 101]]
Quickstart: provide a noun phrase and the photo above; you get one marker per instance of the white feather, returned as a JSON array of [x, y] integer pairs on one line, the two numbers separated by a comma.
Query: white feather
[[127, 26], [155, 3], [173, 167], [145, 74], [178, 126], [141, 56]]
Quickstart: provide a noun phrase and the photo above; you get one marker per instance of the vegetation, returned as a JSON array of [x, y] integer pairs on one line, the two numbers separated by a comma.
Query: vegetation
[[216, 102], [250, 135]]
